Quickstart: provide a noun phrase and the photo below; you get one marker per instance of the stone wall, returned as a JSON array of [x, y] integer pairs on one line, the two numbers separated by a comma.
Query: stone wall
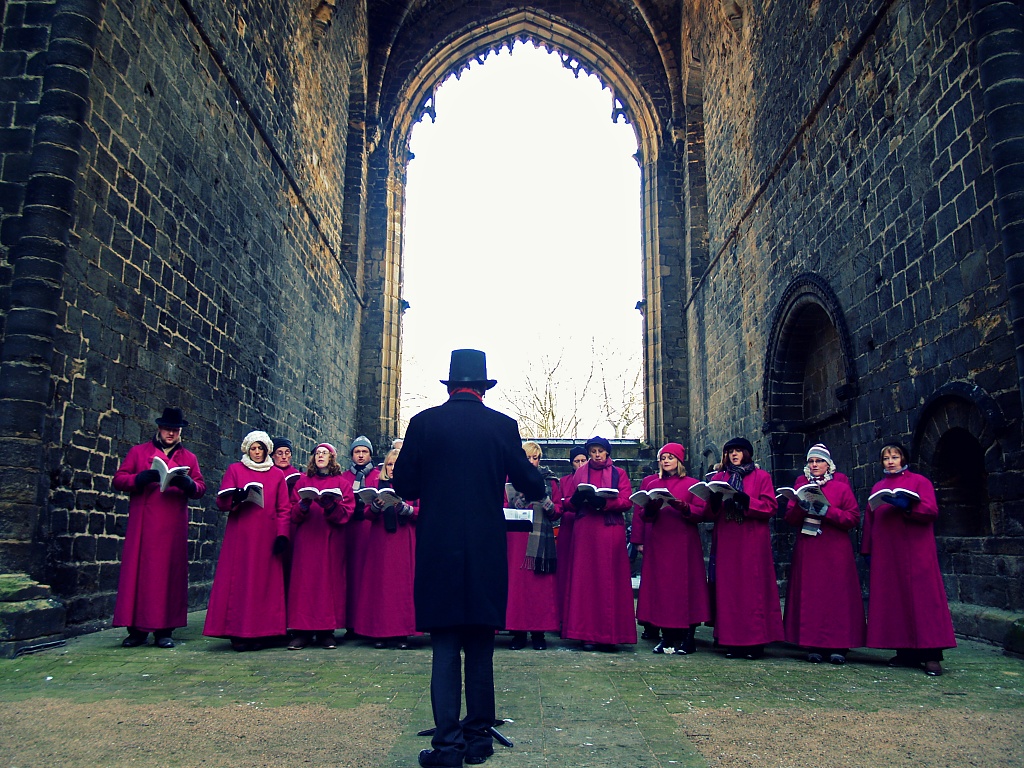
[[847, 141], [204, 267]]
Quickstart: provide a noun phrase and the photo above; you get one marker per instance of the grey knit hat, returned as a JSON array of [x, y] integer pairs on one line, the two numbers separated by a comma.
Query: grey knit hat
[[363, 441]]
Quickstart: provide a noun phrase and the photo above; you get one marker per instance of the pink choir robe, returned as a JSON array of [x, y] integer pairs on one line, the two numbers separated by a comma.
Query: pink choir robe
[[746, 590], [824, 606], [317, 588], [563, 546], [152, 591], [357, 533], [247, 599], [384, 603], [673, 581], [907, 603], [532, 597], [599, 596]]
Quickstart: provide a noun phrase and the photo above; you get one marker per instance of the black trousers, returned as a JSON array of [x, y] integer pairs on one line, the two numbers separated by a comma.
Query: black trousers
[[455, 737]]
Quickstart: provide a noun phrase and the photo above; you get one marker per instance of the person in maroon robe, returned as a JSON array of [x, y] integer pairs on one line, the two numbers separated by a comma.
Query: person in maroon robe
[[152, 591], [323, 504], [385, 612], [673, 582], [247, 599], [824, 608], [907, 605], [563, 537], [599, 601], [748, 614], [532, 566], [362, 474]]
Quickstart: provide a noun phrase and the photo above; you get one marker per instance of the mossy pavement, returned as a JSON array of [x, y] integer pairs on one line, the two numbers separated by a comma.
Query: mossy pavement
[[565, 707]]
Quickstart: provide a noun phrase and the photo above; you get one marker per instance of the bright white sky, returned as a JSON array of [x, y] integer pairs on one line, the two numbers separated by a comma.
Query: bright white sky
[[522, 230]]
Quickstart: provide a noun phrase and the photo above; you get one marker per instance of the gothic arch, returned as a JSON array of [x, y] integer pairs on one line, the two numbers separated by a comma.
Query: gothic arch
[[407, 95], [809, 377]]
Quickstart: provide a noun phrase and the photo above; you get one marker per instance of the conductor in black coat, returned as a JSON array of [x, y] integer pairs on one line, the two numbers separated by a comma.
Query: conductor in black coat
[[461, 583]]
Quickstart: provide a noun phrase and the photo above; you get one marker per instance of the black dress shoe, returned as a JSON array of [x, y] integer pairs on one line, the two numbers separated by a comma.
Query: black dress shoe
[[477, 758], [433, 758], [661, 648], [165, 642], [518, 641], [134, 640], [539, 643], [589, 647]]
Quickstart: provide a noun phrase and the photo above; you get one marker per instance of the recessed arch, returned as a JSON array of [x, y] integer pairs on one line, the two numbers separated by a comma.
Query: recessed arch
[[809, 378], [409, 96]]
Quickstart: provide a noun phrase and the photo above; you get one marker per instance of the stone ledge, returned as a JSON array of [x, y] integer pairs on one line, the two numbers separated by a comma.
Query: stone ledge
[[15, 587], [14, 648], [991, 625]]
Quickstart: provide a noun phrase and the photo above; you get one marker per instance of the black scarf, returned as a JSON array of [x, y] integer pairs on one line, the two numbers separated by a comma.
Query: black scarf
[[735, 474]]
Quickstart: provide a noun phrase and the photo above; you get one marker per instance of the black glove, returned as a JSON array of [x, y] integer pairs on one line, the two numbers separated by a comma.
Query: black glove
[[715, 502], [239, 495], [146, 477], [304, 505], [742, 501], [579, 498], [185, 483], [805, 505], [280, 545], [598, 503], [651, 508], [328, 503], [819, 508]]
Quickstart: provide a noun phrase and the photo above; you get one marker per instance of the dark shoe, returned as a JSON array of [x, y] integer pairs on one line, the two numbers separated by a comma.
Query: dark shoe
[[689, 644], [837, 658], [539, 644], [754, 653], [903, 661], [327, 641], [588, 647], [732, 653], [814, 658], [165, 642], [650, 633], [607, 647], [932, 668], [134, 640], [662, 648], [518, 641], [478, 757], [298, 642], [432, 758], [379, 644]]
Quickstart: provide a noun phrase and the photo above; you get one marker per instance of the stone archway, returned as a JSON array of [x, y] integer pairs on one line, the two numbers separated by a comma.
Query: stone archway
[[809, 378], [409, 96]]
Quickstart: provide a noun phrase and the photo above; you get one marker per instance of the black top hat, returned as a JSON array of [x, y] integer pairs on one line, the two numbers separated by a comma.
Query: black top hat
[[468, 366], [173, 418]]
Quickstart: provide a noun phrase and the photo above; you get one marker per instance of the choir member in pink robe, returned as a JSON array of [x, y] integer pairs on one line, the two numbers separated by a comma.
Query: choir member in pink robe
[[824, 607], [673, 582], [152, 592], [907, 605], [323, 503], [247, 599]]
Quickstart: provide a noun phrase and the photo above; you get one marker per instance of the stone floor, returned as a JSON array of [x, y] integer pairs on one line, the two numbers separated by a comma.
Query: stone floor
[[565, 707]]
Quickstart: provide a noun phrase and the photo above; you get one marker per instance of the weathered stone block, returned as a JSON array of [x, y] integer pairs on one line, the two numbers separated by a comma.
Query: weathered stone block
[[31, 618]]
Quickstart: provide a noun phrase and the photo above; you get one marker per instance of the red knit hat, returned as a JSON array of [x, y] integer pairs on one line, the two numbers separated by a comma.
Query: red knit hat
[[675, 449]]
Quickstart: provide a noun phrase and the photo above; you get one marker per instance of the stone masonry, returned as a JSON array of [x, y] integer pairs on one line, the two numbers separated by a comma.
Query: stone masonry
[[202, 205]]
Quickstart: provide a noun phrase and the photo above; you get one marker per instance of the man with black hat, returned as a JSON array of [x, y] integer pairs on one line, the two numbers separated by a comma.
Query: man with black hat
[[152, 594], [461, 582]]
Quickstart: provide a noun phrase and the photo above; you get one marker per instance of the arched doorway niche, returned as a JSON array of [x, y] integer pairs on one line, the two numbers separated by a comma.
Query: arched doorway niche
[[956, 446], [380, 379], [810, 379]]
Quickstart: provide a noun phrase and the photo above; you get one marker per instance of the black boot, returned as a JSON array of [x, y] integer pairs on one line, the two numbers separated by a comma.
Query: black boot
[[539, 643], [518, 641]]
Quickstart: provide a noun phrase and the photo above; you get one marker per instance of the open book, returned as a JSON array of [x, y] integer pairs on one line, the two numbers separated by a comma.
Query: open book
[[316, 494], [254, 493], [810, 492], [387, 496], [641, 497], [704, 490], [604, 493], [167, 474], [518, 520], [885, 496]]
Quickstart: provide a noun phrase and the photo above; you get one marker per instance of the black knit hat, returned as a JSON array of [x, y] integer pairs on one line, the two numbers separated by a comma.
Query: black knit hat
[[577, 450], [738, 442], [283, 442]]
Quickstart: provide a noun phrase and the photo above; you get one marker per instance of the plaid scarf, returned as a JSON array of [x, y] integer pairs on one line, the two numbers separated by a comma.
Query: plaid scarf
[[540, 547]]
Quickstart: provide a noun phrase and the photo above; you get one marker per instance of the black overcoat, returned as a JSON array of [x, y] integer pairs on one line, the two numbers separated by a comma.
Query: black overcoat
[[455, 460]]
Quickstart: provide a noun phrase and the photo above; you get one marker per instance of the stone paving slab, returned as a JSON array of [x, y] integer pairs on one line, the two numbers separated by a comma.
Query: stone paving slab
[[564, 707]]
